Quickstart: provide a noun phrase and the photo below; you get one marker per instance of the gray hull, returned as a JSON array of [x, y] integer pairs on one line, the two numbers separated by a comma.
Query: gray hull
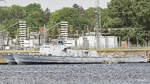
[[35, 59], [9, 58]]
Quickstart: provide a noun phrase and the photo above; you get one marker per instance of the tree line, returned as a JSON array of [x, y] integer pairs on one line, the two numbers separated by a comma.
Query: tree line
[[131, 17]]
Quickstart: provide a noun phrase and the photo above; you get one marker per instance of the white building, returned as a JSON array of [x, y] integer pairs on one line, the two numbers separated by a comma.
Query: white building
[[31, 44]]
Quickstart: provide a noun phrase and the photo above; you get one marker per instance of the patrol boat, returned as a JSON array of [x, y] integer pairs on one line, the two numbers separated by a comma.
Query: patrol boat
[[57, 54], [61, 54]]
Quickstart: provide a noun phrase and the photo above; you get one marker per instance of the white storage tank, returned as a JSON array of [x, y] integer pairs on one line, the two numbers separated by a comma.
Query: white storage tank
[[98, 42]]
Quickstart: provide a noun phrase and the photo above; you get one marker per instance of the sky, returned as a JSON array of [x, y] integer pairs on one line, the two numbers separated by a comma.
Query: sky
[[54, 5]]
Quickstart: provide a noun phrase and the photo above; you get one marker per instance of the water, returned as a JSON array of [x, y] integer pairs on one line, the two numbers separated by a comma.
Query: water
[[76, 74]]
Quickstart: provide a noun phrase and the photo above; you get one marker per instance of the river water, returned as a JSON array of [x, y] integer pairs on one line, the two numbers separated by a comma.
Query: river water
[[135, 73]]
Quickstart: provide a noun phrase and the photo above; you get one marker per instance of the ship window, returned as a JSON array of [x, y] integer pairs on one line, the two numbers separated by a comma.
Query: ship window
[[86, 52], [60, 42]]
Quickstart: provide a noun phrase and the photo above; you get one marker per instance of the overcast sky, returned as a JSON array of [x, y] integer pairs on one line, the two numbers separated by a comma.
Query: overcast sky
[[56, 4]]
